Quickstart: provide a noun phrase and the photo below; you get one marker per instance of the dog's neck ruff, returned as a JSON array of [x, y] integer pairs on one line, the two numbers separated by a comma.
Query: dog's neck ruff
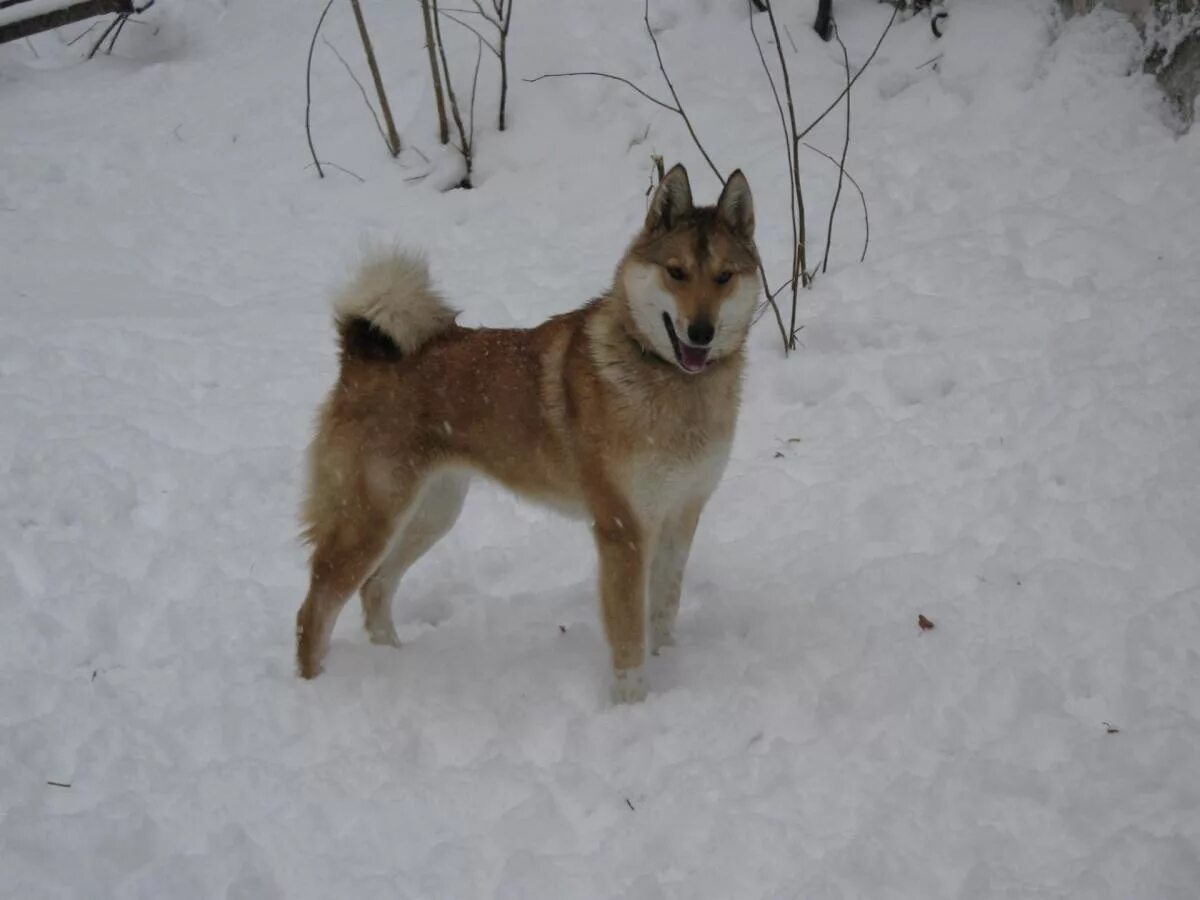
[[649, 354]]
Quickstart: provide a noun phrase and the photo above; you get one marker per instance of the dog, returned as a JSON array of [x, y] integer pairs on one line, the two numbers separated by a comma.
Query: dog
[[621, 413]]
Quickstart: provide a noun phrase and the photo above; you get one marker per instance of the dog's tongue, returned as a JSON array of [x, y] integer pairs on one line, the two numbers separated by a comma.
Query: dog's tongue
[[693, 358]]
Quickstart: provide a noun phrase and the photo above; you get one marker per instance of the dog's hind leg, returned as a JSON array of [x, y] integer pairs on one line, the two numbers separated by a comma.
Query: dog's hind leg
[[352, 517], [436, 511], [666, 572]]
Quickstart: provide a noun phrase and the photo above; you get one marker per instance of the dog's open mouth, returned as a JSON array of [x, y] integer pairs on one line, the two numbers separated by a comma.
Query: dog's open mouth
[[691, 359]]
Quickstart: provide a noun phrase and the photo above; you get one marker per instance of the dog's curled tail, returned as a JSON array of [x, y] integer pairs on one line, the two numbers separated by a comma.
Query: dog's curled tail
[[390, 308]]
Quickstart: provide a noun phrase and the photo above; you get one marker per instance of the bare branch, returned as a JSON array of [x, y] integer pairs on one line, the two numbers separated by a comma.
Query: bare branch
[[800, 253], [675, 95], [815, 122], [482, 12], [474, 86], [461, 11], [362, 90], [473, 31], [116, 27], [332, 165], [861, 196], [121, 22], [789, 149], [75, 40], [624, 81], [845, 149], [308, 89], [111, 25], [464, 138]]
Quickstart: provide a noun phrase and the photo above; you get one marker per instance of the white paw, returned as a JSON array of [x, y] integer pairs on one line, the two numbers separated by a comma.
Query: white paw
[[386, 637], [660, 639], [629, 686]]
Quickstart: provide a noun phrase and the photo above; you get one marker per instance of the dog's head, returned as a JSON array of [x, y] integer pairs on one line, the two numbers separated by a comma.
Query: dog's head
[[691, 276]]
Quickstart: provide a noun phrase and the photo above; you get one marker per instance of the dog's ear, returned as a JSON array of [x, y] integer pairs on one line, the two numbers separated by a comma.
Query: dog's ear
[[736, 206], [672, 200]]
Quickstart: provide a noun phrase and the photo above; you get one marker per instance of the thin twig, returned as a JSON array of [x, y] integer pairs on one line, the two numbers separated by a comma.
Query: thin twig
[[75, 40], [459, 9], [846, 90], [471, 29], [800, 251], [116, 34], [118, 24], [474, 86], [308, 90], [861, 196], [96, 46], [464, 139], [789, 149], [675, 95], [845, 149], [362, 90], [339, 168], [624, 81], [479, 8], [788, 32]]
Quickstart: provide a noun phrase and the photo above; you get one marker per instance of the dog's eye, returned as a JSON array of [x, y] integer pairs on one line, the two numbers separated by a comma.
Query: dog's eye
[[677, 273], [723, 277]]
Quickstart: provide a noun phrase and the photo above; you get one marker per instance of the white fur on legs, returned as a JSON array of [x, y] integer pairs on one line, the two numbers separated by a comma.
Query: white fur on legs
[[629, 685], [666, 575], [437, 510]]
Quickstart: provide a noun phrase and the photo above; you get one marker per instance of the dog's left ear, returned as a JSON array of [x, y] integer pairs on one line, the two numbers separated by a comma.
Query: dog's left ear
[[736, 206]]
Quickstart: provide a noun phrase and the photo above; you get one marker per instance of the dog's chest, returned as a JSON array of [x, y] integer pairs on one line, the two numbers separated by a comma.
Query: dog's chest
[[663, 484], [681, 441], [663, 480]]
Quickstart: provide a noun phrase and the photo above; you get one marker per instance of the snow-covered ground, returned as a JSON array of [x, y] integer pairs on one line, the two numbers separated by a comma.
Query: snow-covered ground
[[994, 422]]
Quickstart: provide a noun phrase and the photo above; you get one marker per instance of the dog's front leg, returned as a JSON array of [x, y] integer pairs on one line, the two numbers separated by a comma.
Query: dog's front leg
[[621, 544], [666, 572]]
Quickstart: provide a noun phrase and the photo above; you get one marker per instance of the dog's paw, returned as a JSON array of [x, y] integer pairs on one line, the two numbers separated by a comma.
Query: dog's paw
[[385, 637], [660, 639], [629, 686]]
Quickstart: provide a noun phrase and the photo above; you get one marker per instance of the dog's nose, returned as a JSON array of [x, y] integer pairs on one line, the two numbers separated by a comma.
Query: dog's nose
[[700, 332]]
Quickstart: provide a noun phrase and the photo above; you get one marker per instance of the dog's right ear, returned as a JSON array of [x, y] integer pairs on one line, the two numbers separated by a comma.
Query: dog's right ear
[[672, 200]]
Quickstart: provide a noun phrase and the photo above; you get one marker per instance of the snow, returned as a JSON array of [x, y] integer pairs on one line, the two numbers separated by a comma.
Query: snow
[[994, 422]]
